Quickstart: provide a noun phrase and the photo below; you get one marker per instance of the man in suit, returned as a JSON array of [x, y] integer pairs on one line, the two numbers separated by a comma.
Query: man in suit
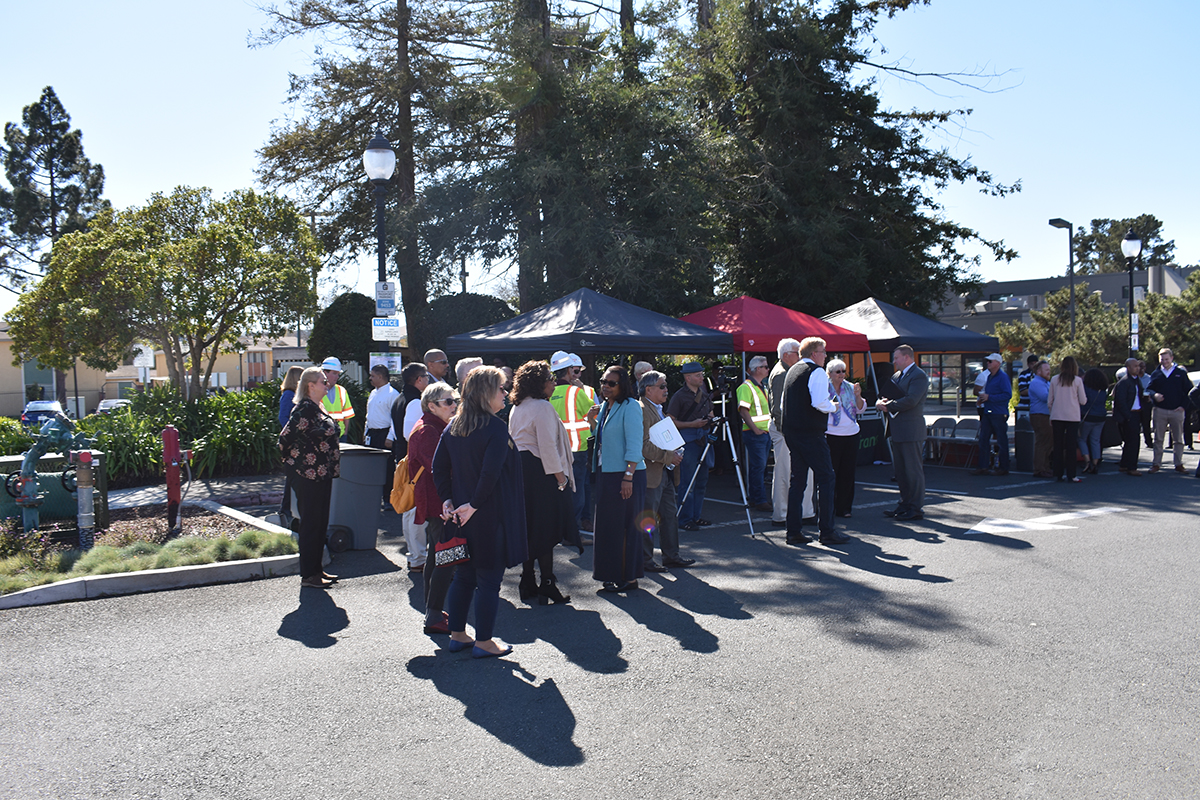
[[906, 416], [660, 487], [1127, 411], [805, 416]]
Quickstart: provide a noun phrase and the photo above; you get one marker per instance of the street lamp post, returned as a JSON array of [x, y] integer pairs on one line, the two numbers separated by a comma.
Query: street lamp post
[[1131, 248], [1062, 223], [380, 162]]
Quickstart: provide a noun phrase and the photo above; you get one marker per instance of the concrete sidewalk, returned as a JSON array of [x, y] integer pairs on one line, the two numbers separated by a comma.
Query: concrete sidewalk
[[252, 490]]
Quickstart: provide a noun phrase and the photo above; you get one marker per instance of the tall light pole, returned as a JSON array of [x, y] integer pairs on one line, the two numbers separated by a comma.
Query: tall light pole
[[1131, 248], [1062, 223], [380, 162]]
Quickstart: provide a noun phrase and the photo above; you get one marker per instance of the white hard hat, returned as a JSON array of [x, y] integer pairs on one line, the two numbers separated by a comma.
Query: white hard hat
[[560, 360], [332, 363]]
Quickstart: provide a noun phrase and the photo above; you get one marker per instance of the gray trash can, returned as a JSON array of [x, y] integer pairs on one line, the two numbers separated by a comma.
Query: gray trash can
[[358, 494], [1023, 443]]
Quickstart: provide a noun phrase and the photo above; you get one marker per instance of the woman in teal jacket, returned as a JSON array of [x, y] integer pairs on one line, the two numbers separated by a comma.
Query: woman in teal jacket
[[620, 484]]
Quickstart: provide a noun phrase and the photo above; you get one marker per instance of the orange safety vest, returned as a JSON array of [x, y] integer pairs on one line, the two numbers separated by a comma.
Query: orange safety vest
[[572, 405]]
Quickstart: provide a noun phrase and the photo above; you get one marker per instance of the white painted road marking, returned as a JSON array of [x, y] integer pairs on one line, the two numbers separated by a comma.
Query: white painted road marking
[[1049, 523]]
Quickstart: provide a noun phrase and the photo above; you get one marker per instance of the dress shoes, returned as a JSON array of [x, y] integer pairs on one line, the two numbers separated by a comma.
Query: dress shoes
[[703, 523], [798, 541], [892, 512], [1133, 473], [689, 526], [764, 507], [653, 566], [455, 646], [679, 563], [439, 627], [1179, 468], [315, 582], [1153, 470], [909, 515], [833, 537]]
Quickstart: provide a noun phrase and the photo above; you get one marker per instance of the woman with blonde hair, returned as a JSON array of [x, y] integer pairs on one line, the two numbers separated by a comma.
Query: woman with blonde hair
[[546, 462], [1066, 400], [477, 473], [287, 401], [309, 442]]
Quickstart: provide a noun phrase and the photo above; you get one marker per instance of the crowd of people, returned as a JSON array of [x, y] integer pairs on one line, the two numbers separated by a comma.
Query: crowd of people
[[518, 463], [1069, 411]]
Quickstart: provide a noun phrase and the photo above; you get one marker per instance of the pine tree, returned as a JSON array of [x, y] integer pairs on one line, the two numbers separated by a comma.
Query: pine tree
[[52, 188]]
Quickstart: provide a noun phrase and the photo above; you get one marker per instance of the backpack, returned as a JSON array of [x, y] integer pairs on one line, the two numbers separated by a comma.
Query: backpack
[[404, 494]]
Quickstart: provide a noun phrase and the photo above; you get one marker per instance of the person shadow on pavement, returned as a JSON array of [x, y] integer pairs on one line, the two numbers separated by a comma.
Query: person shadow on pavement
[[315, 621], [509, 702], [577, 633]]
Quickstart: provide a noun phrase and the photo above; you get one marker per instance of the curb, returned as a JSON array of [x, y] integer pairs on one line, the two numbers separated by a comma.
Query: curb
[[90, 587]]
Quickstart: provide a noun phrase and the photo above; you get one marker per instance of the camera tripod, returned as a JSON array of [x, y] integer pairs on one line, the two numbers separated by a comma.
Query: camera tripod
[[719, 429]]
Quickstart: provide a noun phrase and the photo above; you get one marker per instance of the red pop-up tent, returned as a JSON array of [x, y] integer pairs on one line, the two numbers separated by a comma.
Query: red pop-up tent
[[757, 326]]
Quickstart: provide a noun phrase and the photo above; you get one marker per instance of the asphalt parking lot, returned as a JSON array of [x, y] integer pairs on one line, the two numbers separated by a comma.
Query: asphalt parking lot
[[1027, 639]]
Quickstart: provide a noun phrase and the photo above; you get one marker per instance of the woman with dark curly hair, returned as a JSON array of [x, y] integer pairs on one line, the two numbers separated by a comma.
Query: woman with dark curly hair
[[546, 467]]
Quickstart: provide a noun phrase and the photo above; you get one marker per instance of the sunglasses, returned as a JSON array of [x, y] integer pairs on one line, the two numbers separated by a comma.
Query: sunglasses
[[449, 401], [443, 361], [839, 372], [611, 384]]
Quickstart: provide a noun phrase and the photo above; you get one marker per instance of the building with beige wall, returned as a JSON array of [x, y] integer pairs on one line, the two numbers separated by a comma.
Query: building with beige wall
[[15, 379]]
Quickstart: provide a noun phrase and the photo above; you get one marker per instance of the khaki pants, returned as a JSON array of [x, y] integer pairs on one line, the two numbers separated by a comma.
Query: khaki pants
[[782, 479], [1164, 418]]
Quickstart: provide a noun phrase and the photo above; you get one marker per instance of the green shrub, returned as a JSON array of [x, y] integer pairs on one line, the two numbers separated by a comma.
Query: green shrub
[[220, 549], [188, 551], [240, 552], [139, 549], [278, 544], [14, 440], [251, 540], [96, 557]]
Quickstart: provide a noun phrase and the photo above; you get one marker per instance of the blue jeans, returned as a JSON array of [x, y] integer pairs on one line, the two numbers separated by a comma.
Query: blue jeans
[[756, 464], [689, 511], [993, 424], [1089, 438]]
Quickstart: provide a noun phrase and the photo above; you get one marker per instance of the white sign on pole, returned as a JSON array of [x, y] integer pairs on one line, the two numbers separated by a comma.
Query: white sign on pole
[[385, 299], [1133, 323], [386, 329], [1133, 342]]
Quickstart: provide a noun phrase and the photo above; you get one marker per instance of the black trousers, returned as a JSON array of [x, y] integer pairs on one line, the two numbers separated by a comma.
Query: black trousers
[[810, 451], [1066, 442], [313, 499], [843, 451], [1131, 441]]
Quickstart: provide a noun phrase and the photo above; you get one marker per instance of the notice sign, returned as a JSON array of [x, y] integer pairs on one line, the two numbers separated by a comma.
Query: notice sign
[[385, 299], [386, 329]]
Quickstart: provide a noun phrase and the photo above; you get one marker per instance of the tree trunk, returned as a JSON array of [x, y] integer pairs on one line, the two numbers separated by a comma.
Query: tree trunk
[[533, 17], [414, 286]]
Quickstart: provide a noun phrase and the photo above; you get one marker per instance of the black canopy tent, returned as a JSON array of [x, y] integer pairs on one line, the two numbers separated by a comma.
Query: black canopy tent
[[589, 322], [887, 326]]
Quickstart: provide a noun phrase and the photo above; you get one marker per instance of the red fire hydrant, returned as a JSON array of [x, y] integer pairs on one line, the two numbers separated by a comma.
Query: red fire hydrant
[[173, 458]]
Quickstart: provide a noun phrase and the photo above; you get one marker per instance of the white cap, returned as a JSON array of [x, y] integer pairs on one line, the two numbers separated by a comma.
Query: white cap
[[332, 363], [995, 357], [560, 360], [576, 361]]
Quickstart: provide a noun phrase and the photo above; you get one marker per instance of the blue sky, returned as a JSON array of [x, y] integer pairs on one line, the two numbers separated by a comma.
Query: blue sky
[[1091, 109]]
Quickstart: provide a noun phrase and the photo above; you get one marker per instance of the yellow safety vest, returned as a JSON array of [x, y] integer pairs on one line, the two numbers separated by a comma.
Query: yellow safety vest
[[572, 405], [750, 396], [340, 408]]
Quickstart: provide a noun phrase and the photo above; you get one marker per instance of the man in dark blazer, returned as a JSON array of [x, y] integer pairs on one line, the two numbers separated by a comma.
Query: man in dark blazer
[[906, 415], [1128, 408], [662, 479]]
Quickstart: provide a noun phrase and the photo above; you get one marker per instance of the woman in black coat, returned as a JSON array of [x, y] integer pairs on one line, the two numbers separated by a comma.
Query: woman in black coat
[[478, 473]]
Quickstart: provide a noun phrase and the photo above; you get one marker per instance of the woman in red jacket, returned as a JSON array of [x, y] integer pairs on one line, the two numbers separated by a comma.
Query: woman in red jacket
[[438, 403]]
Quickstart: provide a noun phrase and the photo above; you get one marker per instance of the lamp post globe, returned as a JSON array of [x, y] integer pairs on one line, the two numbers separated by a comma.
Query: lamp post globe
[[379, 161], [1131, 248]]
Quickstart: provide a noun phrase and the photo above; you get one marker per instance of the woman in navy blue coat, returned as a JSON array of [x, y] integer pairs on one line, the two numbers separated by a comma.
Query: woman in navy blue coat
[[620, 474], [477, 471]]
